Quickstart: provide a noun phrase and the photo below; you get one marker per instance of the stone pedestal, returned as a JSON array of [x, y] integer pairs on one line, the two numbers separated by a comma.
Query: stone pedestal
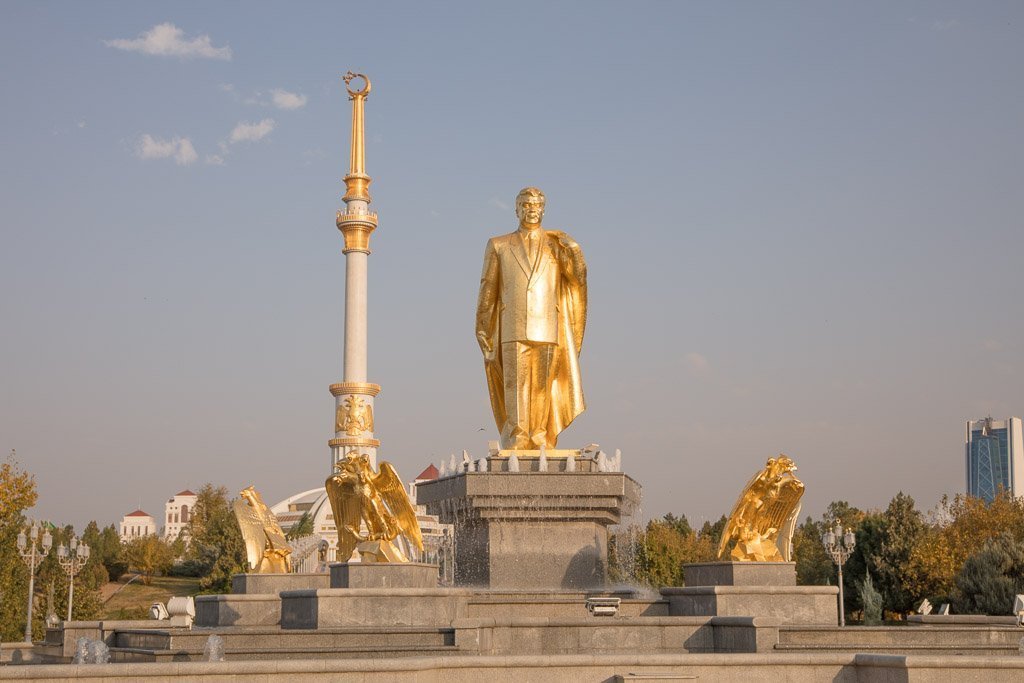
[[347, 607], [383, 575], [252, 584], [741, 574], [531, 529], [752, 589]]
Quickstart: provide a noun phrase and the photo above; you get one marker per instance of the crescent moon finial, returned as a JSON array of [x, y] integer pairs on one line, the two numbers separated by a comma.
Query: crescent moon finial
[[351, 76]]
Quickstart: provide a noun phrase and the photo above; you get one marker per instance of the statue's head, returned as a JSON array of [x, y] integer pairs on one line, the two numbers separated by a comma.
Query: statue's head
[[780, 465], [530, 207], [353, 462]]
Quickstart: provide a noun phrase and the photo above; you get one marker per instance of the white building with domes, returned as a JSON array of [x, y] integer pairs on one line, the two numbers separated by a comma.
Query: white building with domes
[[136, 525], [177, 512]]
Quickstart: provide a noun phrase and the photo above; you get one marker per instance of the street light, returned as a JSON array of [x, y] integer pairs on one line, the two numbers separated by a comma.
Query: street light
[[28, 548], [839, 546], [72, 561]]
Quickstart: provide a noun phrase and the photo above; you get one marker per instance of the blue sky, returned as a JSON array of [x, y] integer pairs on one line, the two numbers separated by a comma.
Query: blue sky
[[802, 221]]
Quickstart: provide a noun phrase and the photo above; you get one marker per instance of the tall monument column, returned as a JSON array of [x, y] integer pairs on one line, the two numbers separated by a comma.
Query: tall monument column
[[354, 395]]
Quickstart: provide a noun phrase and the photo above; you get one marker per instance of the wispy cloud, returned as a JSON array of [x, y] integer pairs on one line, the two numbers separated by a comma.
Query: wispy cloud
[[180, 149], [167, 40], [288, 100], [500, 204], [251, 132], [64, 130], [945, 24], [214, 160]]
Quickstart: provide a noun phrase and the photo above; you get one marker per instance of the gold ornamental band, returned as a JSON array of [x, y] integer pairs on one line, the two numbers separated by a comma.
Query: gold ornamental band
[[356, 228], [369, 220], [364, 388], [357, 186], [354, 441]]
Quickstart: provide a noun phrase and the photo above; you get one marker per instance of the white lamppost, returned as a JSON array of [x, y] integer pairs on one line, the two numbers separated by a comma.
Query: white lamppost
[[28, 548], [839, 546], [72, 560]]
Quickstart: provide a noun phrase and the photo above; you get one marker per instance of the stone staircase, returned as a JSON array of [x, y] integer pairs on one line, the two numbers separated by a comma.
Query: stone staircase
[[907, 640], [269, 643]]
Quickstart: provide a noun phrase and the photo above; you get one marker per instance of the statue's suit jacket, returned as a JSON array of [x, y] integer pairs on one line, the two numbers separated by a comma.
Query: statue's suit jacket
[[541, 302], [527, 291]]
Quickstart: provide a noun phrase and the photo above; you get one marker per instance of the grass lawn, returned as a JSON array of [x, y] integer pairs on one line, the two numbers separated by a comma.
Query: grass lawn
[[132, 601]]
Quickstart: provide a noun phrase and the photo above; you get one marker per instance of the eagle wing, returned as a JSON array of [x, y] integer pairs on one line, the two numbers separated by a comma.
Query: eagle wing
[[732, 526], [345, 506], [781, 513], [786, 534], [391, 490], [271, 527], [251, 524]]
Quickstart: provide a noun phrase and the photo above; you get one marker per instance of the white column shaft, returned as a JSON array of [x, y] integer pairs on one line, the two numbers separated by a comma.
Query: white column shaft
[[355, 317]]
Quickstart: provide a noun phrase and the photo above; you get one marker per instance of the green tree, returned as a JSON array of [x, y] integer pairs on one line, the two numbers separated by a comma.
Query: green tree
[[964, 525], [666, 545], [17, 494], [623, 554], [680, 524], [88, 581], [991, 578], [972, 521], [844, 513], [813, 565], [713, 532], [871, 600], [303, 527], [869, 535], [933, 565], [106, 548], [217, 548], [149, 556], [902, 528]]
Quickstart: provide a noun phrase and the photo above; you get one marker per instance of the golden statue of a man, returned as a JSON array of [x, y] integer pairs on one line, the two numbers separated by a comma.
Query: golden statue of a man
[[530, 319]]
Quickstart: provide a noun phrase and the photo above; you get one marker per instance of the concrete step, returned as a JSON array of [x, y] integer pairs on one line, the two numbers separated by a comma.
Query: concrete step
[[132, 654], [272, 637], [939, 637], [973, 650]]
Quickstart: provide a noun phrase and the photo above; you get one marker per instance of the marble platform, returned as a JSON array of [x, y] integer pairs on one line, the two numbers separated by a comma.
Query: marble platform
[[752, 589], [531, 529]]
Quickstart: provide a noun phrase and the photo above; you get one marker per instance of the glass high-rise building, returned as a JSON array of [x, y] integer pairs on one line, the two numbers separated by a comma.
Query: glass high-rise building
[[994, 453]]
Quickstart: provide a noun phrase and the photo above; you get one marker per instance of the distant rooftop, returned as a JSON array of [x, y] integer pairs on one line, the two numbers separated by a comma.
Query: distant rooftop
[[138, 513], [186, 492], [428, 474]]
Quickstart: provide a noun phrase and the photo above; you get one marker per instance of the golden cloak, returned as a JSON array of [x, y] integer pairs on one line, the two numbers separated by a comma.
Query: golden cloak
[[566, 385]]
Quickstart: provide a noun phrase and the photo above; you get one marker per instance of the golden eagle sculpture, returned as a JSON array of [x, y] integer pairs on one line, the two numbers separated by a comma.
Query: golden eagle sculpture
[[360, 496], [266, 549], [764, 517]]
